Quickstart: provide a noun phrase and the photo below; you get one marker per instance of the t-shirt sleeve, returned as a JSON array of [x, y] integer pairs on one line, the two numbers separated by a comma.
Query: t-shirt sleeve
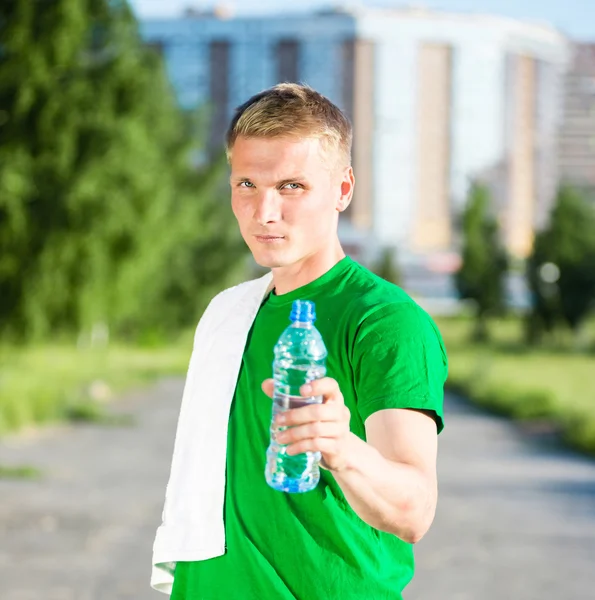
[[399, 361]]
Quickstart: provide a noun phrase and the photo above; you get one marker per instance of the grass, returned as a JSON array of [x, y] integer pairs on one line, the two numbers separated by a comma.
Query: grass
[[20, 472], [552, 383], [57, 382], [91, 411]]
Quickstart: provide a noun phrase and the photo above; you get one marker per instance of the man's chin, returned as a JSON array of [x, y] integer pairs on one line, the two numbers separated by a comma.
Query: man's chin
[[268, 261]]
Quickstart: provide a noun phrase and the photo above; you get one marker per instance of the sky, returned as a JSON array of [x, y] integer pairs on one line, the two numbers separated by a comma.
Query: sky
[[575, 18]]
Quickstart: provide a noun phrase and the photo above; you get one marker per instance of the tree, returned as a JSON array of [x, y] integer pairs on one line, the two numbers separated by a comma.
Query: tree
[[386, 266], [103, 218], [567, 249], [484, 262], [542, 278], [37, 81]]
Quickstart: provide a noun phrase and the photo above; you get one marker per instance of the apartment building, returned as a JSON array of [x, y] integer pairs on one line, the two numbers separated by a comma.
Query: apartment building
[[577, 137], [436, 100]]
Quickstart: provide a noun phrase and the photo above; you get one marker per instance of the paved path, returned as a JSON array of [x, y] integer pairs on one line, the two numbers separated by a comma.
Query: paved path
[[85, 530], [516, 517]]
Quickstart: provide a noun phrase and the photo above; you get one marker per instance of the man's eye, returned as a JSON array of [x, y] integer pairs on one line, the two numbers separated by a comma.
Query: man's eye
[[293, 186], [247, 184]]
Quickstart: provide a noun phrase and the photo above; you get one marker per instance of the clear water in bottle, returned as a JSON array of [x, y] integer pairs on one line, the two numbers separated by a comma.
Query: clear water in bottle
[[300, 356]]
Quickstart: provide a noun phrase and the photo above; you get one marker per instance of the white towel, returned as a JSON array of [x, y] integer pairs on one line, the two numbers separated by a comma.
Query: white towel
[[193, 527]]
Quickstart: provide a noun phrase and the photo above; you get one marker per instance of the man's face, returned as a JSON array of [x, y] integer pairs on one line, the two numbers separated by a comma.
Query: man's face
[[286, 196]]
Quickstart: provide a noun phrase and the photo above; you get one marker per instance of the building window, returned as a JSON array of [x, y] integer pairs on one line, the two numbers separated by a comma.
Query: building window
[[347, 76], [219, 67], [288, 55]]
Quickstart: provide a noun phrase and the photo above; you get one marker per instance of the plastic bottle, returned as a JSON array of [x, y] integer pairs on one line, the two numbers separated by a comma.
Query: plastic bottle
[[300, 356]]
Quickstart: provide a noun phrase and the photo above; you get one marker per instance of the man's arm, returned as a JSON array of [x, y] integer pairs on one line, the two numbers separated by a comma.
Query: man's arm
[[389, 481]]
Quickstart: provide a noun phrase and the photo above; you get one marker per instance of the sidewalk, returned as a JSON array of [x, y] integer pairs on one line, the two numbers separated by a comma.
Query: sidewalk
[[85, 530], [516, 518]]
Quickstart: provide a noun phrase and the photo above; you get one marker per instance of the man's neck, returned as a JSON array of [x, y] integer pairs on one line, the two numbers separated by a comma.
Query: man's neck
[[287, 279]]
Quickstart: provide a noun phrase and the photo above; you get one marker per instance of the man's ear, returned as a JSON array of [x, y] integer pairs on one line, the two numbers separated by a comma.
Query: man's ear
[[347, 187]]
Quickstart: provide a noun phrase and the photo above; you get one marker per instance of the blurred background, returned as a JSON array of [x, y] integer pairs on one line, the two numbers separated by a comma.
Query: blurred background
[[474, 152]]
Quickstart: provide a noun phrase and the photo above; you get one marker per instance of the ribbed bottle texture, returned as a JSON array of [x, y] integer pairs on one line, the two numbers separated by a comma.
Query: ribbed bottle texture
[[300, 357]]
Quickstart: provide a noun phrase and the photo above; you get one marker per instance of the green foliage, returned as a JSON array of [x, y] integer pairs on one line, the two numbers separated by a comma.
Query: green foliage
[[484, 262], [518, 402], [46, 383], [387, 266], [19, 472], [103, 218], [545, 310], [568, 245], [580, 432], [544, 384], [89, 411]]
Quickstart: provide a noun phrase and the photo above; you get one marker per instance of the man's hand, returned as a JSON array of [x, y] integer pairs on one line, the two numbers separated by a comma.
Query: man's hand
[[320, 428], [389, 481]]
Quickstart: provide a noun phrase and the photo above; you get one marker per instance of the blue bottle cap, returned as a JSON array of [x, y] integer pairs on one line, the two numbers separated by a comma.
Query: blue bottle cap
[[303, 311]]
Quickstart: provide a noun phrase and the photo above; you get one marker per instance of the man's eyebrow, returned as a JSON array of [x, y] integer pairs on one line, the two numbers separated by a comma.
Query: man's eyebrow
[[279, 183], [291, 180]]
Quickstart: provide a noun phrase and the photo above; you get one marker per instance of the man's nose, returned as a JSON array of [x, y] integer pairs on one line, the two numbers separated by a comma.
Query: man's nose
[[268, 208]]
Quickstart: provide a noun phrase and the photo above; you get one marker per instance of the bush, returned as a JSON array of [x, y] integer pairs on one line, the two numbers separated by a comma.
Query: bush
[[524, 383], [484, 261], [387, 267], [561, 268], [579, 431]]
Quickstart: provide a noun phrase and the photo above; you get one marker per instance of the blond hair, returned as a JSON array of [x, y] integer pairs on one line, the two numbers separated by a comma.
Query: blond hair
[[294, 111]]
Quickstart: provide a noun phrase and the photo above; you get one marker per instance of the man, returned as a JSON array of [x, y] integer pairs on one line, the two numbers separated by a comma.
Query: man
[[351, 538]]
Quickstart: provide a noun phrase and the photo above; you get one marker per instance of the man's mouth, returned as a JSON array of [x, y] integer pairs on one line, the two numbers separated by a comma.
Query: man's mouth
[[268, 239]]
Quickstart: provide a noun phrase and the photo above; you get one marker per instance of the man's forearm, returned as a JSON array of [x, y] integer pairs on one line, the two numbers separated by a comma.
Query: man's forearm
[[389, 496]]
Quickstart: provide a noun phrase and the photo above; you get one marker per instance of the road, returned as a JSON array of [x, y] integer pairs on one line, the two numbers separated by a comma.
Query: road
[[516, 516]]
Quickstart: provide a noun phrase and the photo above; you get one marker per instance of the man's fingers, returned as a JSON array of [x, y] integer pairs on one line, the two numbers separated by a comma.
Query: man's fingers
[[326, 387], [317, 429], [323, 445], [313, 412], [268, 387]]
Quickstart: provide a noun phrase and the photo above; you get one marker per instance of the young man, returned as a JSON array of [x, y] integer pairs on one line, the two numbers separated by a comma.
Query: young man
[[226, 535]]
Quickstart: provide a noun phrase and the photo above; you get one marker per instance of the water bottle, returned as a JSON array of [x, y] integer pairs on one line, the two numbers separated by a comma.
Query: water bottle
[[300, 356]]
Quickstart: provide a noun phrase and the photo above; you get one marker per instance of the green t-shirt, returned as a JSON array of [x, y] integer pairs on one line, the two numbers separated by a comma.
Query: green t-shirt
[[385, 352]]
